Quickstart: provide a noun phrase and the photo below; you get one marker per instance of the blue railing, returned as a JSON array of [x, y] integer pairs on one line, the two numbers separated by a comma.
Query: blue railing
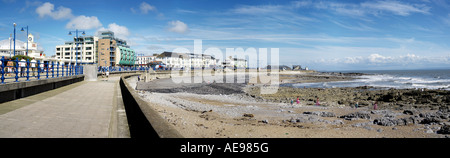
[[15, 69], [120, 69]]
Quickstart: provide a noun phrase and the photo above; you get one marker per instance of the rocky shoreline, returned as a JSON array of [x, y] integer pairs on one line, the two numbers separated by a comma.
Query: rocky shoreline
[[238, 110], [365, 96]]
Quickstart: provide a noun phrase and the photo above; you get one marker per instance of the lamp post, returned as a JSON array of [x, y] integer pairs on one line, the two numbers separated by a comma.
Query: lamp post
[[76, 49], [10, 38], [27, 38], [14, 38]]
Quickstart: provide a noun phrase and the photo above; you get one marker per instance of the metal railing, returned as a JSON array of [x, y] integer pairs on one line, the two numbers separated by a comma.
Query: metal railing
[[16, 69], [120, 69]]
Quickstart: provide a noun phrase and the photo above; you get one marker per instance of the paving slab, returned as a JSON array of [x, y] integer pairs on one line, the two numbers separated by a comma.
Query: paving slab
[[79, 110]]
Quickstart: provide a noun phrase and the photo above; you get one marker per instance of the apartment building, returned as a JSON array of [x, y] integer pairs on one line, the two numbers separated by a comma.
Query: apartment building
[[114, 51], [87, 50], [188, 60], [144, 60], [106, 50]]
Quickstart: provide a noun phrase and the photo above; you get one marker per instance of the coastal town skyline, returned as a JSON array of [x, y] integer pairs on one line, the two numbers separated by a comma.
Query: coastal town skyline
[[324, 35]]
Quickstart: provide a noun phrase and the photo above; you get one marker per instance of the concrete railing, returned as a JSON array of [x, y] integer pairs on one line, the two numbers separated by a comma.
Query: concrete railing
[[143, 120], [16, 90]]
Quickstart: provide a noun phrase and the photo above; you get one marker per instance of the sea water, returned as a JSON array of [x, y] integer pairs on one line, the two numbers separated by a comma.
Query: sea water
[[399, 79]]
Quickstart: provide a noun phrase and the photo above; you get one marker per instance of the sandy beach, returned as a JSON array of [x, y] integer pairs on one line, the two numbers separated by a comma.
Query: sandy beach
[[237, 110]]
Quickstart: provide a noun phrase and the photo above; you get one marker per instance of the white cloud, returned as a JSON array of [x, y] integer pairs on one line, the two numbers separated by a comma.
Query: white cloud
[[258, 10], [178, 27], [119, 31], [386, 62], [370, 7], [84, 22], [145, 7], [48, 9], [396, 7]]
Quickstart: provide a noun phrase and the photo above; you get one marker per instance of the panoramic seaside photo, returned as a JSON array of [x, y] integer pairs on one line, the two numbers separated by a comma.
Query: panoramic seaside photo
[[225, 69]]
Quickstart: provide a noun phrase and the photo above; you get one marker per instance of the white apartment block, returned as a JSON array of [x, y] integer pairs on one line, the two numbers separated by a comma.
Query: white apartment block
[[144, 60], [185, 60], [87, 50], [231, 62]]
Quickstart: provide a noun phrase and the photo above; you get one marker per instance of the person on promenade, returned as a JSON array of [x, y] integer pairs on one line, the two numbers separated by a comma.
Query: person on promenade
[[317, 102], [292, 101], [107, 75], [22, 65], [41, 65], [375, 106], [356, 105], [298, 101], [33, 65]]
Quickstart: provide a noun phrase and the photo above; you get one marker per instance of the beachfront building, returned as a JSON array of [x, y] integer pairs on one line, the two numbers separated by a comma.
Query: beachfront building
[[231, 62], [187, 60], [7, 47], [87, 52], [105, 49], [144, 60], [113, 51]]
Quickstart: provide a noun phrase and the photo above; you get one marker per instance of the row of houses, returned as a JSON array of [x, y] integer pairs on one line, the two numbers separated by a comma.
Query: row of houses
[[108, 50], [190, 60]]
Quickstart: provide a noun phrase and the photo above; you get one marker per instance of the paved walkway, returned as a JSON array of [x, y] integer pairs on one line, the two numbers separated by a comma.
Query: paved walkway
[[81, 110]]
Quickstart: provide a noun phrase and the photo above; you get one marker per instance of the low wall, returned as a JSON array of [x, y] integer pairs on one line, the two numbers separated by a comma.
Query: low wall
[[144, 122], [90, 72], [17, 90]]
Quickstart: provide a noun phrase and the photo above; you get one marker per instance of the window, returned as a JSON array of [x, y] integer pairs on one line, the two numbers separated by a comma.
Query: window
[[58, 49], [66, 48], [88, 48], [103, 44]]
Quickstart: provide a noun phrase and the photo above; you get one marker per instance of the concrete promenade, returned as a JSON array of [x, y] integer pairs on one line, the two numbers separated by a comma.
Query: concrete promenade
[[87, 109]]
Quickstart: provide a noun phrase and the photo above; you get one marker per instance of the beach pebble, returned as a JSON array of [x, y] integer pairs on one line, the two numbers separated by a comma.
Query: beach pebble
[[445, 129], [369, 128], [362, 115], [337, 122]]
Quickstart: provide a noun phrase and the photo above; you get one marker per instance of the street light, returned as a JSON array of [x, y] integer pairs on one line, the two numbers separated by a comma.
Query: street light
[[14, 38], [27, 38], [76, 49]]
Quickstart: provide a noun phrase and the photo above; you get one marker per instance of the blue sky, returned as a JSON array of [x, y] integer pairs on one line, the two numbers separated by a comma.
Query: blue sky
[[321, 34]]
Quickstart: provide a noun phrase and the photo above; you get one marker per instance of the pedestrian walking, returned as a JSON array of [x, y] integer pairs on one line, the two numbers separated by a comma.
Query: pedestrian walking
[[317, 102], [356, 105], [298, 101]]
